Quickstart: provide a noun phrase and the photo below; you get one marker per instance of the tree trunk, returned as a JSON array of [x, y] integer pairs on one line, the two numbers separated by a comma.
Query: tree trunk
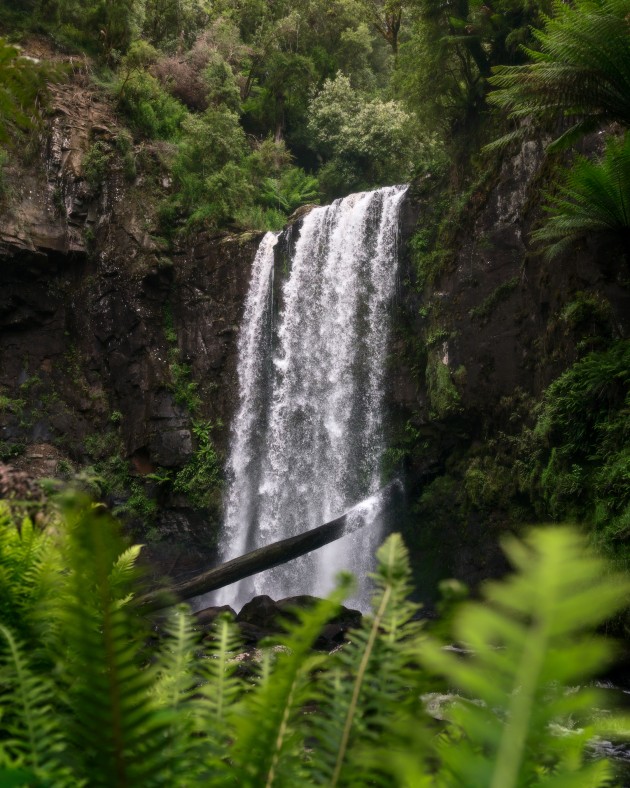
[[267, 557]]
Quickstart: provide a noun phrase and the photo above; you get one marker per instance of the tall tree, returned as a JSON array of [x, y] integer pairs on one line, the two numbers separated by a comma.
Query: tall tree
[[386, 18]]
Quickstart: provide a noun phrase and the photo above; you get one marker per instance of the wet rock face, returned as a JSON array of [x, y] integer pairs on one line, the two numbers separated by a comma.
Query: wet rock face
[[485, 335], [98, 317]]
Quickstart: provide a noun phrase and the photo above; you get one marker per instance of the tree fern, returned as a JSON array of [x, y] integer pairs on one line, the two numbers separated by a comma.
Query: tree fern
[[595, 198], [530, 640], [581, 71]]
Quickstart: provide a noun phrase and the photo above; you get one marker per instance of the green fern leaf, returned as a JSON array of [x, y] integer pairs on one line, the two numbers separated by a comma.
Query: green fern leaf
[[529, 641], [118, 731], [581, 70], [33, 736], [365, 692], [595, 198], [269, 747]]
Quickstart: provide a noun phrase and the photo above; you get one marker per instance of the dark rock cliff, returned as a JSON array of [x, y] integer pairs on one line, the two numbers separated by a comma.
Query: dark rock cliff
[[475, 348], [105, 338]]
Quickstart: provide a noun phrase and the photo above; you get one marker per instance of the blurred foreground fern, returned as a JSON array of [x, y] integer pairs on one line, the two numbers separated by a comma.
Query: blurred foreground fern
[[87, 700]]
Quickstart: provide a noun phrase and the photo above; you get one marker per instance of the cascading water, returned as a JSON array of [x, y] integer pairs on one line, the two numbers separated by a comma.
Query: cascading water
[[307, 441]]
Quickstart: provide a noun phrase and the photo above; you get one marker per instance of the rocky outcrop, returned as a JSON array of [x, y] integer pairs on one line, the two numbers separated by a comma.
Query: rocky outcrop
[[476, 344], [113, 344], [263, 617]]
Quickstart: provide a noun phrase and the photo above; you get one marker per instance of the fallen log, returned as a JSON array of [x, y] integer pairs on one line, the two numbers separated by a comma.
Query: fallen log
[[275, 554]]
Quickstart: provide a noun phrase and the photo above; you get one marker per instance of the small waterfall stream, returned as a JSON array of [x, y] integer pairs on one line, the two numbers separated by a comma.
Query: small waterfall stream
[[307, 440]]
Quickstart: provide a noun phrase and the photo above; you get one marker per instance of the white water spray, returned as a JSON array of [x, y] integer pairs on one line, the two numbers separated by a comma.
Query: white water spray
[[307, 441]]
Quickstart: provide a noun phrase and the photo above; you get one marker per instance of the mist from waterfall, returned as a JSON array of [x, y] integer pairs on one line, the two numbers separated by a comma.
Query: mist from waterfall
[[308, 438]]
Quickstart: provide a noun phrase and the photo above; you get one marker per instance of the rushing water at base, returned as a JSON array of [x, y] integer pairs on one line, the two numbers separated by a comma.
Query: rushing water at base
[[307, 440]]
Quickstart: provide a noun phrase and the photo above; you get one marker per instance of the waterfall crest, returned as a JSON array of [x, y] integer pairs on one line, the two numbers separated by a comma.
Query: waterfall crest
[[307, 441]]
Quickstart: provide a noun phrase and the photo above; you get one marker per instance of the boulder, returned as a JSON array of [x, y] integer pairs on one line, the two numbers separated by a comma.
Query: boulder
[[205, 618], [261, 611]]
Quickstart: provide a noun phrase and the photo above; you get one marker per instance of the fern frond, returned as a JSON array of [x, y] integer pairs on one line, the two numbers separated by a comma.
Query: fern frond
[[219, 688], [365, 692], [529, 640], [177, 664], [33, 736], [269, 747], [31, 582], [595, 198], [581, 69], [119, 731]]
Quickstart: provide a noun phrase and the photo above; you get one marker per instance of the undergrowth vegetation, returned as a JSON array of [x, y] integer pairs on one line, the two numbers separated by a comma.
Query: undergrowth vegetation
[[89, 699]]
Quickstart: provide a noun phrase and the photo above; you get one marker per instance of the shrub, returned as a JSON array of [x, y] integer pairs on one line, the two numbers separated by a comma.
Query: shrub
[[96, 164], [584, 425], [149, 107], [200, 479]]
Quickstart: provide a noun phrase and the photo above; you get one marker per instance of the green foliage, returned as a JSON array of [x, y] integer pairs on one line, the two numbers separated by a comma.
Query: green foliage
[[96, 163], [292, 189], [528, 643], [483, 311], [486, 484], [257, 218], [116, 731], [27, 568], [448, 55], [110, 713], [200, 479], [21, 83], [443, 396], [171, 23], [139, 504], [36, 734], [149, 108], [105, 27], [589, 316], [584, 422], [185, 390], [367, 142], [365, 694], [212, 184], [593, 199], [580, 71]]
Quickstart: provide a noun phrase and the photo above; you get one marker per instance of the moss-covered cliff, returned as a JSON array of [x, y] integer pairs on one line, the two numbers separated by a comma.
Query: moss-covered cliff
[[510, 373], [118, 355]]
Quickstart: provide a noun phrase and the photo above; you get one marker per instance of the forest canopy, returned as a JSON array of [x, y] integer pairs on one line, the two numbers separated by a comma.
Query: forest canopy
[[269, 105]]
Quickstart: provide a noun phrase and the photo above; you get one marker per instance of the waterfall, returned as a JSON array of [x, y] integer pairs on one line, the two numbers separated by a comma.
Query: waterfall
[[307, 440]]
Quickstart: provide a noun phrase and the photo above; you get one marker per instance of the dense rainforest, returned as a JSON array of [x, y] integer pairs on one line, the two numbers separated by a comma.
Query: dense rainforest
[[146, 145]]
